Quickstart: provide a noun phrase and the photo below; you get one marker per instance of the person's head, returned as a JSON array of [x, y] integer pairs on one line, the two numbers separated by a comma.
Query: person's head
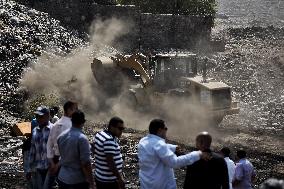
[[42, 115], [53, 111], [225, 151], [158, 127], [69, 108], [272, 184], [203, 141], [78, 119], [241, 154], [116, 126]]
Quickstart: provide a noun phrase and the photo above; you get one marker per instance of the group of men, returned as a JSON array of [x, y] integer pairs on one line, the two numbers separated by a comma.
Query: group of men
[[205, 168], [61, 153]]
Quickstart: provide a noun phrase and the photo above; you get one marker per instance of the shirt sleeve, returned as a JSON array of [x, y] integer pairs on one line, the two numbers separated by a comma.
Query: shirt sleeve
[[239, 174], [56, 134], [32, 154], [110, 147], [172, 147], [84, 150], [50, 143], [169, 158]]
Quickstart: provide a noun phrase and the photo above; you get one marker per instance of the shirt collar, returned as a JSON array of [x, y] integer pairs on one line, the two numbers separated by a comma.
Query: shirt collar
[[76, 129], [109, 133], [65, 117], [242, 160], [48, 126], [155, 136]]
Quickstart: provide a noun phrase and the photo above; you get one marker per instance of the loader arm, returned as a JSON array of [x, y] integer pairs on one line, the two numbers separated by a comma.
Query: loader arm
[[133, 63]]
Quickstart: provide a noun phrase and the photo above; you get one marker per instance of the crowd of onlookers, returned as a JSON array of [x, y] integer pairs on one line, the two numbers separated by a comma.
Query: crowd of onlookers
[[58, 154]]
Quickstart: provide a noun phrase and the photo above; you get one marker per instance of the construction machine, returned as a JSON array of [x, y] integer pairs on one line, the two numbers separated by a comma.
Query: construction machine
[[148, 82]]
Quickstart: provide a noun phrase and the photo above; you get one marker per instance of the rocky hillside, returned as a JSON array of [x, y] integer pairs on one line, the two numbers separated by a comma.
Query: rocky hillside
[[25, 35]]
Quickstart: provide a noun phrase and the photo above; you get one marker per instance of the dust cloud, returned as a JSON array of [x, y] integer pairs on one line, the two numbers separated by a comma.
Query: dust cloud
[[70, 77]]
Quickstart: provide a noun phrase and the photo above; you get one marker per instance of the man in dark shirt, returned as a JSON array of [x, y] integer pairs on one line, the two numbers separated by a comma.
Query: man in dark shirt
[[211, 174]]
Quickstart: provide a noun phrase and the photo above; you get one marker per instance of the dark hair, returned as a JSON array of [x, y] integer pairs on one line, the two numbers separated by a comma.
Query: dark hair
[[55, 109], [204, 139], [114, 121], [155, 125], [226, 151], [69, 104], [241, 154], [78, 117]]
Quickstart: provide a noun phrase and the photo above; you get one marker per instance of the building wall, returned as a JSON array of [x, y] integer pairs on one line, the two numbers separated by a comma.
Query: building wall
[[146, 31]]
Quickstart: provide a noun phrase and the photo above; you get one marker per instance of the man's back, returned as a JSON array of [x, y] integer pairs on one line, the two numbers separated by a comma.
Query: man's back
[[63, 124], [74, 149], [154, 173], [244, 173], [212, 174]]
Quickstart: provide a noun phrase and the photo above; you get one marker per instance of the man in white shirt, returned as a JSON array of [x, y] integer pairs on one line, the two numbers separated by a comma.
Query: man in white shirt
[[230, 164], [157, 158], [63, 124]]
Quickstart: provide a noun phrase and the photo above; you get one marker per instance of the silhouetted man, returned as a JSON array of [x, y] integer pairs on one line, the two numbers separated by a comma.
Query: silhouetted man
[[212, 174]]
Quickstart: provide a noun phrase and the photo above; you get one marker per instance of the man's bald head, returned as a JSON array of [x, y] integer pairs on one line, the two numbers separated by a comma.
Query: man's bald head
[[203, 141]]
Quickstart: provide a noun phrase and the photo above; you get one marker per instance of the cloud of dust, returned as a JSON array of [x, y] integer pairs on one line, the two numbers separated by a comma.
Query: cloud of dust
[[186, 118], [71, 78]]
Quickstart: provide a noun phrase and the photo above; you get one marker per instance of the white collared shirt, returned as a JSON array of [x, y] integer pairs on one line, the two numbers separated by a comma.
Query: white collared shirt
[[231, 170], [61, 125], [157, 160]]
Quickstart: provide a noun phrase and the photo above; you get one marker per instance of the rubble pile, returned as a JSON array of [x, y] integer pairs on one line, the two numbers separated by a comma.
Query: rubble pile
[[25, 35], [253, 65]]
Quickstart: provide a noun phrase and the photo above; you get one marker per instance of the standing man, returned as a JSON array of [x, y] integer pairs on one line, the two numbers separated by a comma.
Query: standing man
[[230, 164], [157, 158], [75, 161], [63, 124], [108, 158], [26, 155], [244, 174], [212, 174], [38, 158]]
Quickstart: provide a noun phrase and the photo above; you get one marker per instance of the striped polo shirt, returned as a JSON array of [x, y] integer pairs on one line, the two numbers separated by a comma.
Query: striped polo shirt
[[104, 143]]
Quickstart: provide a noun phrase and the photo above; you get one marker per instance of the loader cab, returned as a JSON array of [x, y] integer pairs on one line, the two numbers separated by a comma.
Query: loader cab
[[167, 69]]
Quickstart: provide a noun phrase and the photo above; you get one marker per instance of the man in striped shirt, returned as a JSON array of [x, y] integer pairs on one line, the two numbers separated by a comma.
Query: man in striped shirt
[[108, 158]]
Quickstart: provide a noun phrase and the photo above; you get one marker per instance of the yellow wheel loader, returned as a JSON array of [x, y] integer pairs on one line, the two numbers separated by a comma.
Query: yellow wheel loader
[[152, 82]]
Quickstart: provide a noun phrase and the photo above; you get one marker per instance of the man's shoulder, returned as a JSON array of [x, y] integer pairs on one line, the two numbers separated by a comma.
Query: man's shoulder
[[64, 134], [63, 121], [152, 141], [104, 135], [216, 156], [82, 137]]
